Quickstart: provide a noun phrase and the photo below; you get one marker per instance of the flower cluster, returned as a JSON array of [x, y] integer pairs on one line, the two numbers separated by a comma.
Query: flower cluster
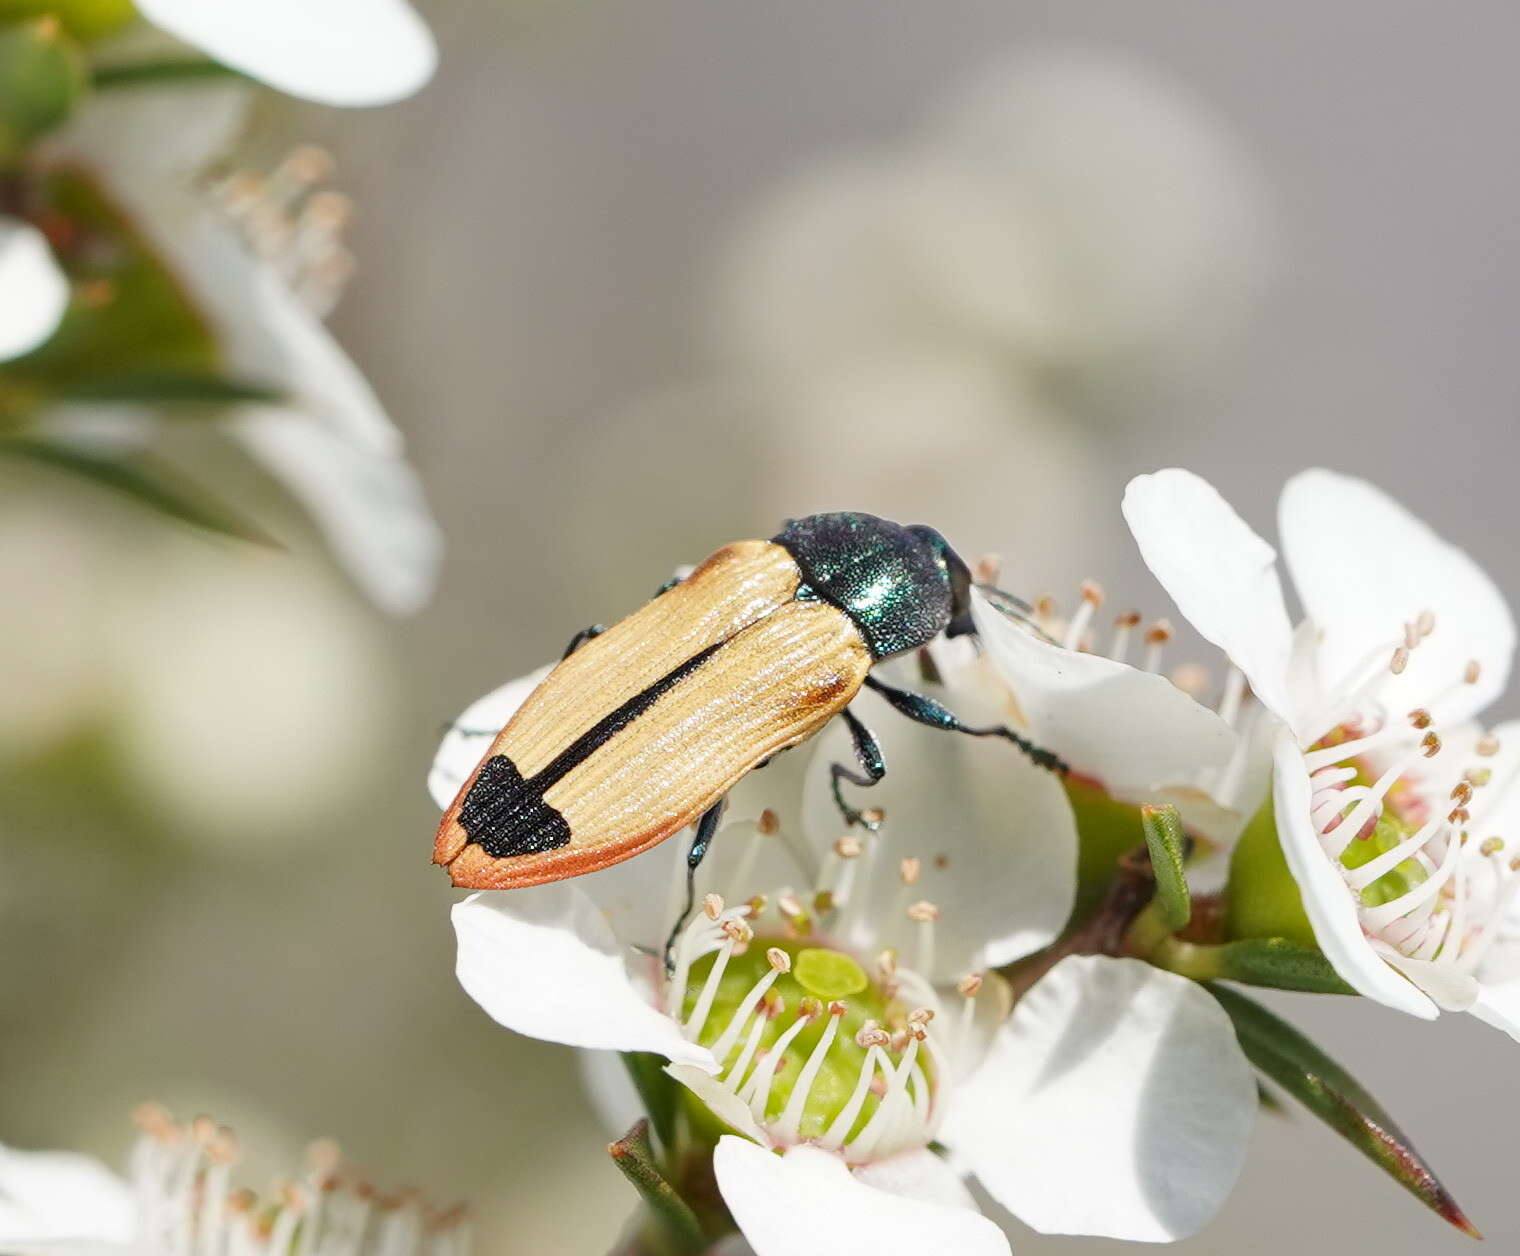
[[133, 287], [1000, 974], [178, 1200], [1392, 804]]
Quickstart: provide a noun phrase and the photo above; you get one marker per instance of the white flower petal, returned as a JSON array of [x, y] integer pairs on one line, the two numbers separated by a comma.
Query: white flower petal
[[1499, 1006], [1114, 1102], [918, 1174], [808, 1201], [1222, 576], [471, 735], [642, 898], [330, 441], [719, 1099], [1132, 730], [993, 834], [1448, 988], [1364, 566], [61, 1195], [33, 291], [1328, 901], [544, 962], [368, 503], [743, 862], [336, 52], [153, 143]]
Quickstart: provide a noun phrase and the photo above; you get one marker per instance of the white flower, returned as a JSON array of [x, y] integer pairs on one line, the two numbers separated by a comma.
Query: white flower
[[328, 440], [827, 1006], [1390, 809], [33, 291], [130, 626], [1124, 729], [1135, 732], [177, 1200], [1064, 212], [336, 52], [275, 640]]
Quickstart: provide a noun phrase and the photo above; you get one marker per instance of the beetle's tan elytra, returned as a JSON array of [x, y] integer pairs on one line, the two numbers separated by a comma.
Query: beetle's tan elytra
[[642, 730]]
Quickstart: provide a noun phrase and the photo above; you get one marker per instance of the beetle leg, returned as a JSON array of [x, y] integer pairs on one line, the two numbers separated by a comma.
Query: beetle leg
[[707, 826], [580, 639], [869, 756], [926, 710]]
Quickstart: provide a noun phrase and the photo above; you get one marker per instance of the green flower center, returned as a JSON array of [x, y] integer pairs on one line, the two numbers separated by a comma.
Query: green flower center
[[1398, 880], [821, 1026]]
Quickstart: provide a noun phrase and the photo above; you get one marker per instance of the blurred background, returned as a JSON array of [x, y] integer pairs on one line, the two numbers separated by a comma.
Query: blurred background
[[637, 280]]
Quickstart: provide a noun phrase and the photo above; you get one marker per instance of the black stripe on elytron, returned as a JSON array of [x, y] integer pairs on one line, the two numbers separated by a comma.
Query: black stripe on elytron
[[600, 733], [506, 815]]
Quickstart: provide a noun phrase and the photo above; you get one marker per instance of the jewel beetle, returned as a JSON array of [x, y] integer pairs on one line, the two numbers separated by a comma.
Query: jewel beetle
[[642, 728]]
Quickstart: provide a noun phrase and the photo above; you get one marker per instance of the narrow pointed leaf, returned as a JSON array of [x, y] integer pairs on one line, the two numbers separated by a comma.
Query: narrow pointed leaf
[[166, 387], [1333, 1095], [680, 1231], [1280, 964], [143, 481], [146, 73], [1167, 844]]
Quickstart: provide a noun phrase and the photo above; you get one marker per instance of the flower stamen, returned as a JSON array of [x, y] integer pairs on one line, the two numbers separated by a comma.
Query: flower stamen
[[791, 1117], [1156, 636], [780, 962], [924, 914]]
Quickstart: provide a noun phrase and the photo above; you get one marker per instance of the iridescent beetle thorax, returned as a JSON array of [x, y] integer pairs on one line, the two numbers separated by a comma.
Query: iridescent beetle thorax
[[900, 585]]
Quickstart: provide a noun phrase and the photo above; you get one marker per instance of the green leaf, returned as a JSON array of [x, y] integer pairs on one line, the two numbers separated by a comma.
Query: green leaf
[[1333, 1095], [164, 387], [679, 1230], [131, 315], [1167, 844], [657, 1091], [143, 481], [42, 81], [161, 71], [1281, 964]]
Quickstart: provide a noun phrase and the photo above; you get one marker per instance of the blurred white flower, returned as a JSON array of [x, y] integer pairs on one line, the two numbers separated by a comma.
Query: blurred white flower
[[249, 695], [1069, 214], [336, 52], [827, 1003], [1391, 809], [177, 1200], [328, 440], [152, 638], [33, 291], [53, 667], [936, 431], [927, 330]]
